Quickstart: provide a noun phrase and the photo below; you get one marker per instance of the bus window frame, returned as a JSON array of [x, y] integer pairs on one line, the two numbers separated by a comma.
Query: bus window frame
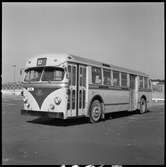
[[116, 86], [108, 70], [142, 82], [101, 83], [126, 86], [41, 81], [146, 82], [33, 81], [53, 81]]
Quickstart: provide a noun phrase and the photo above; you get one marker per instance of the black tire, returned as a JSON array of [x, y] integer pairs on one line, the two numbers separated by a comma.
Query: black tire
[[95, 111], [143, 106]]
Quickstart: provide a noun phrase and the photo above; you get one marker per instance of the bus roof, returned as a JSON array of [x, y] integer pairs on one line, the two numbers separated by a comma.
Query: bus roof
[[104, 65], [63, 57]]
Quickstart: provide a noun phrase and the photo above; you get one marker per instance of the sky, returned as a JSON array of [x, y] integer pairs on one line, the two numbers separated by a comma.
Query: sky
[[130, 35]]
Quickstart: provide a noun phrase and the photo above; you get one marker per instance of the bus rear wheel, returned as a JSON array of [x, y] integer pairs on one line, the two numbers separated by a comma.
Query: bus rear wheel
[[143, 106], [95, 111]]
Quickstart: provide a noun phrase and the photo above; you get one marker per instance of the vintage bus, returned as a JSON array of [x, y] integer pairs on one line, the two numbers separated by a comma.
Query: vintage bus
[[67, 86]]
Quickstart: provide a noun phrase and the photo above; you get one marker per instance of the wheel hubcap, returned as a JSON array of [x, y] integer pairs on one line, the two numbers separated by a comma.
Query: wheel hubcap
[[143, 106], [96, 113]]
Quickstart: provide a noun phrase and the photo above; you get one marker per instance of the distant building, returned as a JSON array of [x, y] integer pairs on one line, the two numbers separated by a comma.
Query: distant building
[[158, 87]]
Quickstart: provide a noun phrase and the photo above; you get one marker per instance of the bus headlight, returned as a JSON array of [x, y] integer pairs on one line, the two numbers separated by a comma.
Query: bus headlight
[[57, 100], [52, 106], [28, 105], [25, 100]]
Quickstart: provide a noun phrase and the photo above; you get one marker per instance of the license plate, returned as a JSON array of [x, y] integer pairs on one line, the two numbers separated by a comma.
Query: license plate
[[30, 89]]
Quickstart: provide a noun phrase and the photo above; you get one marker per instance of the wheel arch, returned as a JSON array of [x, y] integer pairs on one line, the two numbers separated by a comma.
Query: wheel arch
[[100, 99], [144, 97]]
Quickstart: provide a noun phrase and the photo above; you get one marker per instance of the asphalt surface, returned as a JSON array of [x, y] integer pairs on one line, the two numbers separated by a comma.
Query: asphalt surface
[[124, 139]]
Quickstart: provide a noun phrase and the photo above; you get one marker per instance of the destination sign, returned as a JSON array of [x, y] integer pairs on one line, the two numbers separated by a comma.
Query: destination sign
[[41, 61]]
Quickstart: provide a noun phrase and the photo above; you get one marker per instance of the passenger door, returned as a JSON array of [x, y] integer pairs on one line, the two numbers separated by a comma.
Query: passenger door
[[82, 88], [72, 91]]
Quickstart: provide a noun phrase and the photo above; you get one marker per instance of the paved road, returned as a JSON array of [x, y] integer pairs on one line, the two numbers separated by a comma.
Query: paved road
[[124, 139]]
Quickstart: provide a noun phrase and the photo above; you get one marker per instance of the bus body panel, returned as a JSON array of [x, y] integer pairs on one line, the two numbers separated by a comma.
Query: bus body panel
[[60, 95], [52, 60], [30, 100], [114, 100], [35, 103]]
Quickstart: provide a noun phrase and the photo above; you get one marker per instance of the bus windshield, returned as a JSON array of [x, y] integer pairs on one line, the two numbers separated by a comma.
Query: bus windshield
[[53, 74], [49, 74], [33, 74]]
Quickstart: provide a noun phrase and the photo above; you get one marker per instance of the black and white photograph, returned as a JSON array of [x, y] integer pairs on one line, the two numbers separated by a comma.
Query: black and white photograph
[[83, 83]]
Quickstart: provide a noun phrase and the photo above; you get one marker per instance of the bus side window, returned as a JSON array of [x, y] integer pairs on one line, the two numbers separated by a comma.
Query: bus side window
[[73, 75], [123, 79], [140, 82], [107, 77], [84, 77], [96, 75], [97, 79], [81, 76], [145, 82], [116, 79], [69, 71]]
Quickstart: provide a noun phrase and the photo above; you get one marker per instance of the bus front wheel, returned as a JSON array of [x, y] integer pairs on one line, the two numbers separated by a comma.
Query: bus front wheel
[[143, 106], [95, 111]]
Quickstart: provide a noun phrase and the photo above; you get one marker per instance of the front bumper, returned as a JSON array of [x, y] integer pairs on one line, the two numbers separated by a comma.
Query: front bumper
[[43, 113]]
